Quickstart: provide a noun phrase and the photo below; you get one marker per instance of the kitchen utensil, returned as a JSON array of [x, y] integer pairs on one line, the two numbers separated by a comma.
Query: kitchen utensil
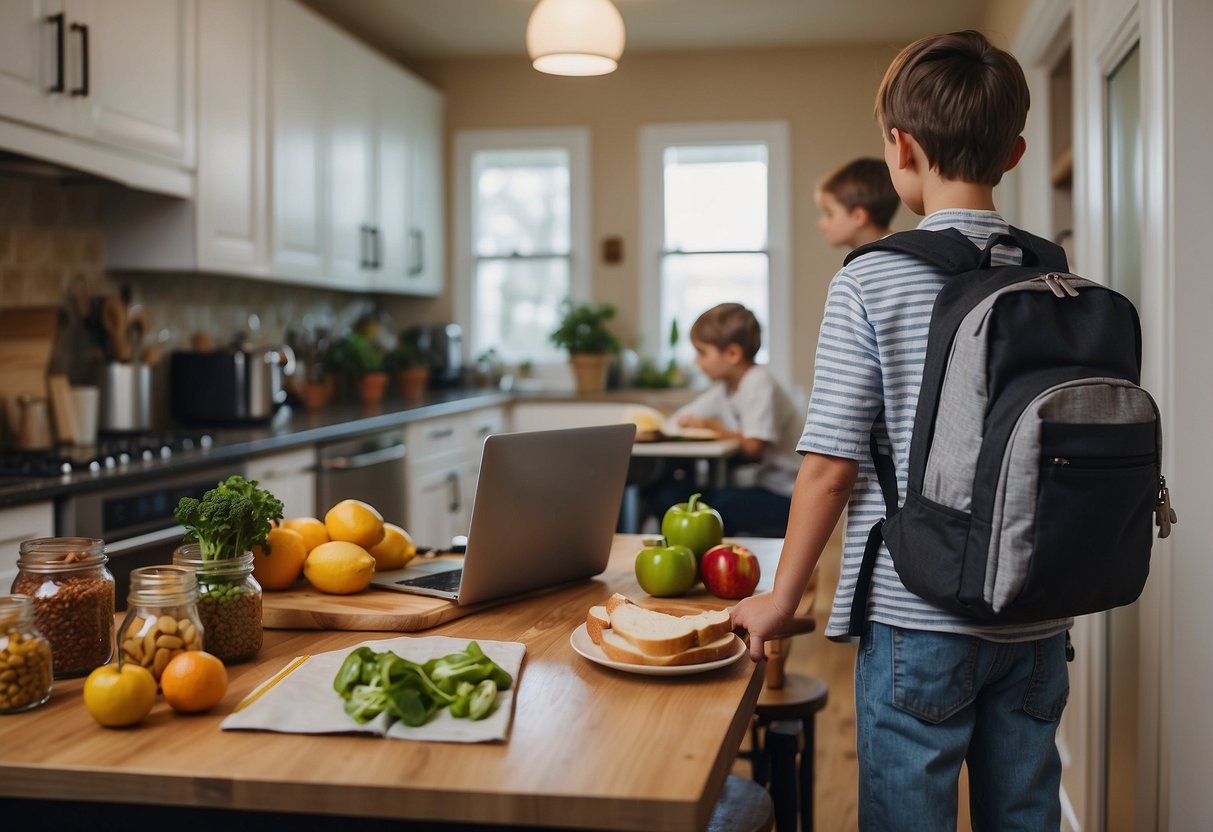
[[116, 325], [33, 425], [62, 411], [126, 397], [136, 327]]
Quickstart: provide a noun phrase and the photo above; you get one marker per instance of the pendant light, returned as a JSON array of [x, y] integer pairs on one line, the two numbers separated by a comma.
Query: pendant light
[[575, 37]]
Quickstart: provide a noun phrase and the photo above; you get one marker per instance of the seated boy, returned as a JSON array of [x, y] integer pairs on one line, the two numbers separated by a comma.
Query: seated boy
[[857, 203], [745, 403]]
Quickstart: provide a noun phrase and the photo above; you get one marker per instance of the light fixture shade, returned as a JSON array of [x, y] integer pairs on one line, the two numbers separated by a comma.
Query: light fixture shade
[[575, 37]]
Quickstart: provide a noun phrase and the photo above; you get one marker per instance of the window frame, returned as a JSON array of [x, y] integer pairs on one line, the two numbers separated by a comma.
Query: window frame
[[467, 143], [654, 139]]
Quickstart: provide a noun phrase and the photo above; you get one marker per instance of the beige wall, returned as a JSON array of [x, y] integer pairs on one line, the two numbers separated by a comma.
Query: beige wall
[[824, 94], [1002, 20]]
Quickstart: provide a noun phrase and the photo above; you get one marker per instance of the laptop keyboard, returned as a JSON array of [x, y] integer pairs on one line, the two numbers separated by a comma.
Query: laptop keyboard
[[444, 581]]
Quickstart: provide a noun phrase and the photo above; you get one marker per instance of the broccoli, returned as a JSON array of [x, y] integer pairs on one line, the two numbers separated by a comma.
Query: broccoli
[[229, 519]]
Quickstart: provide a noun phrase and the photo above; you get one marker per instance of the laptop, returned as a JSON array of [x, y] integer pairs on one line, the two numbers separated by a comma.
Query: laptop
[[545, 511]]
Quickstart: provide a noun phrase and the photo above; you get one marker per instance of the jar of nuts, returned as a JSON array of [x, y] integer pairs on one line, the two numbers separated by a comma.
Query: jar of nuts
[[25, 656], [229, 602], [73, 594], [161, 617]]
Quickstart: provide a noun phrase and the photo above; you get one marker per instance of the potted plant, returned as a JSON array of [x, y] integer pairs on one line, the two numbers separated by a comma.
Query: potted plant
[[408, 362], [590, 344], [363, 359]]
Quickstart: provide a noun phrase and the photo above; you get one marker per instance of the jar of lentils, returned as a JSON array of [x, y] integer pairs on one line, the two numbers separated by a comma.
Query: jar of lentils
[[25, 657], [73, 596], [161, 617], [229, 602]]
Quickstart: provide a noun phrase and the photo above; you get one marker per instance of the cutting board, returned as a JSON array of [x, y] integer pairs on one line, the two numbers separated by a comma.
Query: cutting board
[[304, 608], [27, 335]]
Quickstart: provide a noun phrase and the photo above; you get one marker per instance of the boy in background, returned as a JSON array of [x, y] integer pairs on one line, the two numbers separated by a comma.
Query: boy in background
[[745, 403], [933, 690], [857, 203]]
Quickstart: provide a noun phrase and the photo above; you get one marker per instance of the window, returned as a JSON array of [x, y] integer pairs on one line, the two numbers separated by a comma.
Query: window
[[521, 236], [714, 229]]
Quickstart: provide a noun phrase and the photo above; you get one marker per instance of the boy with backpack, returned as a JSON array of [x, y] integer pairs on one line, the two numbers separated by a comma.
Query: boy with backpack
[[857, 203], [1009, 464]]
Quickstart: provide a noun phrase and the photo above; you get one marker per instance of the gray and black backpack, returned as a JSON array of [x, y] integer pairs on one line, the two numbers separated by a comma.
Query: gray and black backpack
[[1035, 459]]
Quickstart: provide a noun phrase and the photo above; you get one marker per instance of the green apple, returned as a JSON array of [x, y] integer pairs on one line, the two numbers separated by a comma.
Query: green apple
[[694, 524], [665, 570]]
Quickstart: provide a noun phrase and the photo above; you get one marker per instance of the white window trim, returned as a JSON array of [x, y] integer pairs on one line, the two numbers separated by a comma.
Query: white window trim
[[775, 134], [469, 142]]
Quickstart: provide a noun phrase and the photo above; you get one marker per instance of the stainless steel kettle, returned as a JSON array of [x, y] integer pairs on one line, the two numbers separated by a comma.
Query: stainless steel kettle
[[268, 368]]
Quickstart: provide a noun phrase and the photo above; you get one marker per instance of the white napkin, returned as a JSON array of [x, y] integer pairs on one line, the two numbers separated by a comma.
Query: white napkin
[[300, 698]]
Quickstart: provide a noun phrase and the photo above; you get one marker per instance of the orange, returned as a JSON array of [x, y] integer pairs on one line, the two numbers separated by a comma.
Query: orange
[[193, 681], [339, 567], [116, 697], [353, 521], [279, 563], [313, 530], [395, 550]]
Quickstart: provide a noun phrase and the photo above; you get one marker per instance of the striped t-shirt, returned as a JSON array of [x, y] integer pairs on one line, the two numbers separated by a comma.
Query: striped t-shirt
[[870, 356]]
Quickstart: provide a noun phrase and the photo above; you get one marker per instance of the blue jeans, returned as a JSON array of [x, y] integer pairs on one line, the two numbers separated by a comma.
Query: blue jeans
[[925, 702]]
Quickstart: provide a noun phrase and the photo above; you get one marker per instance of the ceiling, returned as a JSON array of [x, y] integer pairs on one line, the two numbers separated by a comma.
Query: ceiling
[[423, 30]]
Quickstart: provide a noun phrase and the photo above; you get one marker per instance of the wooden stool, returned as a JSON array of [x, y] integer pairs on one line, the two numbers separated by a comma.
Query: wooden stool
[[744, 806], [784, 722]]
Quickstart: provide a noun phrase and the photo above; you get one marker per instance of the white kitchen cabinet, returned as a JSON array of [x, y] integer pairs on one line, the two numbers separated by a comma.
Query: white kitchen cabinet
[[290, 476], [352, 163], [18, 523], [104, 87]]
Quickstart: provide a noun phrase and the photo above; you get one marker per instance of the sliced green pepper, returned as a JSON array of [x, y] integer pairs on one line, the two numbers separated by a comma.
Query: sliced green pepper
[[482, 699]]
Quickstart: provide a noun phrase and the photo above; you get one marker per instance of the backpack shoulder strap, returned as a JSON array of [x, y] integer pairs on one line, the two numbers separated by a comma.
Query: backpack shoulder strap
[[948, 250]]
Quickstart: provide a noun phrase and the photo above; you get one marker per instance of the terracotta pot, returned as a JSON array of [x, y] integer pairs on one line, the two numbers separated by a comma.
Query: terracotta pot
[[589, 372], [413, 382], [316, 396], [372, 387]]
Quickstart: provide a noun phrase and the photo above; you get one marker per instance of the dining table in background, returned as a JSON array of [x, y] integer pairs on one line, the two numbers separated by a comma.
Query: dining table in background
[[590, 747], [649, 459]]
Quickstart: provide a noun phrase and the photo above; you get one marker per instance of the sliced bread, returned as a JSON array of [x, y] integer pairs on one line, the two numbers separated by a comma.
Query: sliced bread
[[660, 634], [619, 649], [597, 620]]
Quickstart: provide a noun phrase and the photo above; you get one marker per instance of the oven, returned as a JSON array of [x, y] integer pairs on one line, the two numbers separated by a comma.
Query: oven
[[135, 519]]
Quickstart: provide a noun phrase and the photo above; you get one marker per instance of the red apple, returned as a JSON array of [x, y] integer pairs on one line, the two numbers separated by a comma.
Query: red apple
[[729, 570]]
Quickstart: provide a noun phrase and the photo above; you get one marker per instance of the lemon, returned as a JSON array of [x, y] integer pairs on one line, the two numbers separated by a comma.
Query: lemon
[[395, 550], [354, 521], [339, 567], [116, 697], [314, 531]]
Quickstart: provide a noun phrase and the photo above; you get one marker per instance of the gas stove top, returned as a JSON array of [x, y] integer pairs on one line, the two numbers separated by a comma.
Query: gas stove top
[[111, 451]]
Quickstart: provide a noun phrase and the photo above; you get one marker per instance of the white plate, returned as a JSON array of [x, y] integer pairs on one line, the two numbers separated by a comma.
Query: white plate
[[580, 640]]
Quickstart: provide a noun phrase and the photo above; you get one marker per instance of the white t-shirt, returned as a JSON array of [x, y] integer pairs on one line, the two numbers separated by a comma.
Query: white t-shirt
[[758, 409]]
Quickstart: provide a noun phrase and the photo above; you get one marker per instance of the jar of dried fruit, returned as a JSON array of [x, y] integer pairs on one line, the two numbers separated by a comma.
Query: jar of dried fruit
[[161, 617], [73, 596], [229, 602], [25, 657]]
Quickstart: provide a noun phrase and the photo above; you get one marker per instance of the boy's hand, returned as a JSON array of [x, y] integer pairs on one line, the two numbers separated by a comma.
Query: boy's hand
[[686, 420], [759, 620]]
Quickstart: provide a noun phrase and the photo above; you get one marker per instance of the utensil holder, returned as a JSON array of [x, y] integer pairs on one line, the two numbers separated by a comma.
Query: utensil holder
[[126, 396]]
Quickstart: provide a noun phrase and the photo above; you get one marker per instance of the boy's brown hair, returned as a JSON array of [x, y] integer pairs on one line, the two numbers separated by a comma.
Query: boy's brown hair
[[864, 183], [964, 101], [729, 323]]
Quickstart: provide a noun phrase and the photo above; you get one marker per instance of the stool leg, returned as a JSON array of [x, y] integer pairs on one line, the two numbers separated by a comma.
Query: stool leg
[[806, 773], [782, 744], [760, 770]]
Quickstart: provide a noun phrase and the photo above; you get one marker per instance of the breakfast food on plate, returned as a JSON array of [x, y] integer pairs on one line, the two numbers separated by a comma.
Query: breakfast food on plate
[[646, 419], [633, 634]]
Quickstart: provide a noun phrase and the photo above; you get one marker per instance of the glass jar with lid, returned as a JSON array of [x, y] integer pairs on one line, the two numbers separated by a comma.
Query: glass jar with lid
[[25, 657], [161, 617], [229, 602], [73, 597]]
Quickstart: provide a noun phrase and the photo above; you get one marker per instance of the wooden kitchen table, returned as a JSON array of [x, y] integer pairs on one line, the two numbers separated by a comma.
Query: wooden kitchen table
[[590, 747]]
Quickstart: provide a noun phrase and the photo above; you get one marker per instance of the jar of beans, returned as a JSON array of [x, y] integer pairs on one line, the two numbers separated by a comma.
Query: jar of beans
[[229, 602], [25, 657], [73, 596], [161, 617]]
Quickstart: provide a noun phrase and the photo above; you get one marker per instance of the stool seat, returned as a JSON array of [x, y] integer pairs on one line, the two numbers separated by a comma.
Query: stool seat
[[800, 696], [743, 806]]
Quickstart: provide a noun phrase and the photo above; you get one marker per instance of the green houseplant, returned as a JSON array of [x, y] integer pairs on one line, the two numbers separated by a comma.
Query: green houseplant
[[363, 359], [408, 362], [583, 332]]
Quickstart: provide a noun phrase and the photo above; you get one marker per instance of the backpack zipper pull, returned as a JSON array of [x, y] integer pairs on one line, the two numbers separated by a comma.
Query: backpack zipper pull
[[1164, 516], [1050, 281], [1065, 284]]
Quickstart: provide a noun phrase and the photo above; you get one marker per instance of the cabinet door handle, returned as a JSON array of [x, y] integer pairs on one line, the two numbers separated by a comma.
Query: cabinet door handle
[[418, 238], [376, 249], [82, 90], [452, 479], [441, 433], [364, 239], [57, 19], [365, 460]]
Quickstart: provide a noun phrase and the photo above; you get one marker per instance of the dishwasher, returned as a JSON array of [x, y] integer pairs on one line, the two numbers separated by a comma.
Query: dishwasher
[[369, 467]]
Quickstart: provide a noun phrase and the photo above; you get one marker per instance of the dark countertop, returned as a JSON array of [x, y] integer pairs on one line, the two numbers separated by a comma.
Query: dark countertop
[[289, 428]]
